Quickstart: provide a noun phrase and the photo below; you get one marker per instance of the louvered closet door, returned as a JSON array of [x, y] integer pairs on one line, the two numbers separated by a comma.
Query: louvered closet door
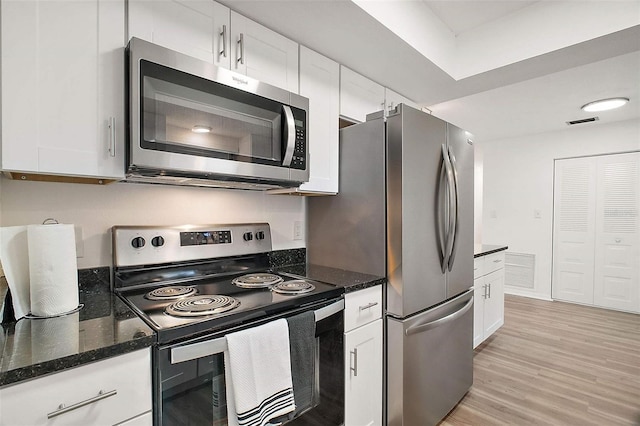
[[574, 226], [617, 254]]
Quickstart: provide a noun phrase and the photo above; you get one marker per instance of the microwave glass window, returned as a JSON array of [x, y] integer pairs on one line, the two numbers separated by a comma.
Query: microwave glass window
[[179, 118]]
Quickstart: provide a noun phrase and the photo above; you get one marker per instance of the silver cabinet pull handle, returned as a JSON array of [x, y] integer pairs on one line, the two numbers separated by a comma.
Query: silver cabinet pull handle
[[368, 306], [223, 37], [497, 261], [62, 409], [241, 49], [484, 295], [112, 136], [355, 362]]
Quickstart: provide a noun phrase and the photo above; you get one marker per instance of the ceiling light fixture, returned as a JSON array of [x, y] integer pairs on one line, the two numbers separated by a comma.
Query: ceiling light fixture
[[200, 129], [604, 104]]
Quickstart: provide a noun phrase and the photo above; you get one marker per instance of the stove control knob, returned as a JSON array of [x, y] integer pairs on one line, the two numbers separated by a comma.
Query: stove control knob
[[247, 236], [157, 241], [260, 235], [138, 242]]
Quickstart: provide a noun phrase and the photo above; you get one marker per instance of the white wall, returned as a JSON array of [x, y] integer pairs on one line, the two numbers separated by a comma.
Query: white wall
[[97, 208], [518, 179]]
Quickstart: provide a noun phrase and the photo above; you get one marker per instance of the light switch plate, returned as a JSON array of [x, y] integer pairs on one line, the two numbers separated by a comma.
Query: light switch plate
[[297, 230]]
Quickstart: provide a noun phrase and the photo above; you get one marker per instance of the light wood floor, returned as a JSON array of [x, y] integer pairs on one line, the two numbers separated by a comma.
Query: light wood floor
[[555, 363]]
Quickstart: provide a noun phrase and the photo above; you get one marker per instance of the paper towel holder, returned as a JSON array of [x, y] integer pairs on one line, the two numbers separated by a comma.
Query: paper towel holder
[[73, 311]]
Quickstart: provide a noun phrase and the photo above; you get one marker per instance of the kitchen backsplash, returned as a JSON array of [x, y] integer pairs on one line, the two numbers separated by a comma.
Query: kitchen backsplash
[[95, 209]]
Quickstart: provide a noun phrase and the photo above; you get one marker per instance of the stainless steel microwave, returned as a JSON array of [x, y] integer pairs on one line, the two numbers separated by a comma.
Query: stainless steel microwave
[[192, 123]]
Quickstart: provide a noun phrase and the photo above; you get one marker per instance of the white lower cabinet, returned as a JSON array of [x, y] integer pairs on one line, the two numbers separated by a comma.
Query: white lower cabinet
[[363, 347], [112, 391], [488, 292], [363, 378]]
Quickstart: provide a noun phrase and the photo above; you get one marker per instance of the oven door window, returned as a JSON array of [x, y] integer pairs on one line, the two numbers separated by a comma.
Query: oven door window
[[193, 392], [186, 114]]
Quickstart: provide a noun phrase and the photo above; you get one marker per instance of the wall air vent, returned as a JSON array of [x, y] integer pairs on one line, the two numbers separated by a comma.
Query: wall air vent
[[584, 120]]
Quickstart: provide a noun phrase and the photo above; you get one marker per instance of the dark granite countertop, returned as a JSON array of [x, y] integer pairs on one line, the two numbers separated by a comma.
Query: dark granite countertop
[[349, 280], [480, 250], [103, 328]]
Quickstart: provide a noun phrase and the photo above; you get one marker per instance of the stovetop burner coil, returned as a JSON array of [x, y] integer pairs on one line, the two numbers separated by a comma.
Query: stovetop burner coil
[[293, 287], [259, 280], [170, 293], [196, 306]]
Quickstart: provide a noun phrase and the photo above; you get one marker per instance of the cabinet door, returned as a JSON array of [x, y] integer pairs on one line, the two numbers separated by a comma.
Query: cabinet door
[[479, 293], [145, 419], [320, 82], [263, 54], [186, 26], [617, 233], [392, 99], [494, 302], [62, 85], [359, 96], [104, 393], [363, 375]]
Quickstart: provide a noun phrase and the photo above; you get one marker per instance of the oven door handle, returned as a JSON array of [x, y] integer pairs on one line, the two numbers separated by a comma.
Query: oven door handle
[[219, 345]]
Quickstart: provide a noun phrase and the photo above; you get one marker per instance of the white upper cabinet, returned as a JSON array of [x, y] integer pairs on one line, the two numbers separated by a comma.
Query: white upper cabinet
[[320, 82], [392, 99], [192, 27], [359, 96], [62, 88], [212, 32], [263, 54]]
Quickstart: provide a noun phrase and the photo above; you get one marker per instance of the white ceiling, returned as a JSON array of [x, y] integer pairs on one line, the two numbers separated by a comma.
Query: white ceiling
[[460, 16], [487, 66]]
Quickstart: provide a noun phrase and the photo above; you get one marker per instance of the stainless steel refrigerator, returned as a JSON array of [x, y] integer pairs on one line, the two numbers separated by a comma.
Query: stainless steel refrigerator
[[405, 211]]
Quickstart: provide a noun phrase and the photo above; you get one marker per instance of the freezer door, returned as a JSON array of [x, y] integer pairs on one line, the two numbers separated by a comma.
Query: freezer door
[[429, 362], [460, 263], [414, 272]]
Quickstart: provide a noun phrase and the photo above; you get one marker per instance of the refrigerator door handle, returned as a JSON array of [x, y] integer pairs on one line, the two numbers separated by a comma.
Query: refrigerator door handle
[[456, 214], [450, 224], [442, 211], [418, 328]]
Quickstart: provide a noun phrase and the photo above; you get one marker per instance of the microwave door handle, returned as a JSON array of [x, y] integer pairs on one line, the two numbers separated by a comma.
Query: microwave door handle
[[289, 135]]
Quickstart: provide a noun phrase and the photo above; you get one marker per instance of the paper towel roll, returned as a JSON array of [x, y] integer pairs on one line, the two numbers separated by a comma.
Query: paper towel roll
[[53, 270]]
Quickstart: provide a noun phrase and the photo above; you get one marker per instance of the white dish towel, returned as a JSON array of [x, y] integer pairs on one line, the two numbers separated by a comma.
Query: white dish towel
[[260, 372]]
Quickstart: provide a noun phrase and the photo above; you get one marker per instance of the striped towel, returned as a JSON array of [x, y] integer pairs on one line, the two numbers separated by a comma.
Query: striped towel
[[260, 370]]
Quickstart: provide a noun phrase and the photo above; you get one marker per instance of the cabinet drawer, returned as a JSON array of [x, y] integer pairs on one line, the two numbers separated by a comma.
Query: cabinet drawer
[[362, 307], [493, 262], [478, 267], [112, 390]]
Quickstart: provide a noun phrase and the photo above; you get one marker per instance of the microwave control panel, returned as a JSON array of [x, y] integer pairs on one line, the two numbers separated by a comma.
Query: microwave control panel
[[299, 160], [300, 152]]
